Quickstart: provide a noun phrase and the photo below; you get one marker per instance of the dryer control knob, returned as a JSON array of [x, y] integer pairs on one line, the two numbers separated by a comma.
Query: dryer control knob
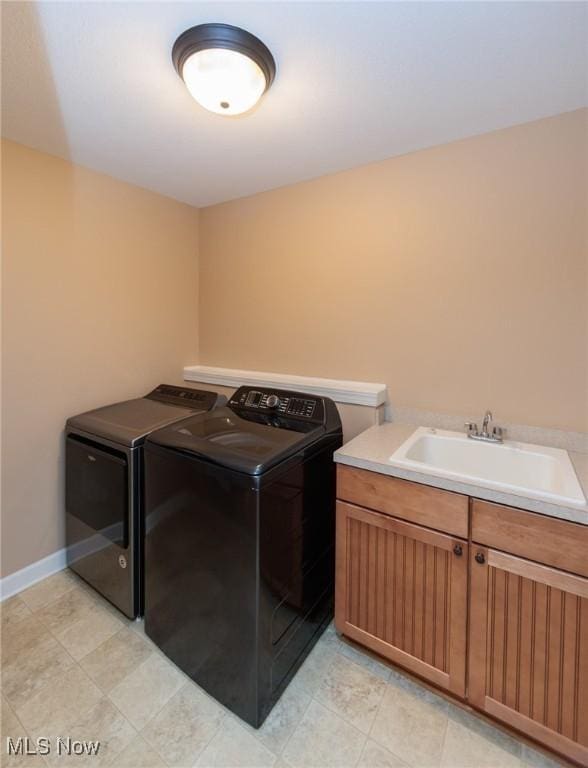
[[272, 401]]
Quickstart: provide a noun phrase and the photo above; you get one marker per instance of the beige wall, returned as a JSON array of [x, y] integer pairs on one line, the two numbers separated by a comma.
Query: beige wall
[[99, 304], [457, 275]]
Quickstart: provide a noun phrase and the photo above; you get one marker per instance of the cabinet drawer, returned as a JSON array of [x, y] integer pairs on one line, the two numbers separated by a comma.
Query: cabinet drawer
[[432, 507], [547, 540]]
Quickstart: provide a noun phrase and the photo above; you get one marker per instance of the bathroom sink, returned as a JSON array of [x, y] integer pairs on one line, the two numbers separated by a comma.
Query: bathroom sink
[[521, 468]]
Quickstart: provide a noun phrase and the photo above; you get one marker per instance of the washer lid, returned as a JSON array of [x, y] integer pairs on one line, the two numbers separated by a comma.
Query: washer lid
[[248, 443], [129, 422]]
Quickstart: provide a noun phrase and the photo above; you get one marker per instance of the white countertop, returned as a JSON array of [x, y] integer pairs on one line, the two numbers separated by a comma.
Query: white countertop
[[372, 449]]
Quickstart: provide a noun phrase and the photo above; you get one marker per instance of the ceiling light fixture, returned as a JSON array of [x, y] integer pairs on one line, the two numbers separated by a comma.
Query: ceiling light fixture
[[226, 69]]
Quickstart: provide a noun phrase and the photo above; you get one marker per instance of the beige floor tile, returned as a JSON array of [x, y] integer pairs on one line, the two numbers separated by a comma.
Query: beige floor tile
[[352, 692], [315, 666], [49, 590], [322, 740], [375, 756], [411, 723], [12, 729], [62, 701], [89, 632], [8, 720], [471, 742], [13, 610], [184, 726], [104, 725], [62, 613], [105, 604], [114, 659], [34, 760], [144, 691], [31, 669], [365, 659], [138, 754], [234, 747], [283, 719], [138, 627], [533, 758], [22, 637]]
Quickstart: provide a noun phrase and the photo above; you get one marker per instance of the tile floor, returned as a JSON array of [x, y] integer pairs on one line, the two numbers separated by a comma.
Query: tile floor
[[73, 666]]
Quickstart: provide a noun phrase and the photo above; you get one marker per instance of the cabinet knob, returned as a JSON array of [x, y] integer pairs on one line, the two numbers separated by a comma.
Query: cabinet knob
[[458, 550], [480, 558]]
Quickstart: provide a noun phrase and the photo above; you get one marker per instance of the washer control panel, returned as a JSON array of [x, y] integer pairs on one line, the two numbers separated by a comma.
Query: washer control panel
[[199, 399], [293, 404]]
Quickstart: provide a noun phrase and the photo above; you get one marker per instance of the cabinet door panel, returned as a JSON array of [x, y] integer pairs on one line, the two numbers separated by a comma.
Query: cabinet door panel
[[401, 591], [529, 649]]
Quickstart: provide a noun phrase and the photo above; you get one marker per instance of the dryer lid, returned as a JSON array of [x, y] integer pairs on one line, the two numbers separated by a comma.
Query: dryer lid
[[129, 422]]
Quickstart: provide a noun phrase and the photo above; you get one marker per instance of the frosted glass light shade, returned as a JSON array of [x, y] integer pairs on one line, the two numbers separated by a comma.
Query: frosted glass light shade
[[224, 81]]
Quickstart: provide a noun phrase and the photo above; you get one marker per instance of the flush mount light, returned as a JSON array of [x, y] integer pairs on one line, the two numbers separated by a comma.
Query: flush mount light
[[225, 68]]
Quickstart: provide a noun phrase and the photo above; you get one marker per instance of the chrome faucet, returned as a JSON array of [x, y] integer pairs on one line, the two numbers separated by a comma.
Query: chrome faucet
[[487, 420], [496, 436]]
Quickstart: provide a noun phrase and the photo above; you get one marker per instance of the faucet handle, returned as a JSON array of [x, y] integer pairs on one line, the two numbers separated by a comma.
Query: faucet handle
[[498, 433], [471, 426]]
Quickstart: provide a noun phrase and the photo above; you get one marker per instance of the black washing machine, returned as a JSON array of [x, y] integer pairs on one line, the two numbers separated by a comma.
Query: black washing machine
[[103, 488], [239, 549]]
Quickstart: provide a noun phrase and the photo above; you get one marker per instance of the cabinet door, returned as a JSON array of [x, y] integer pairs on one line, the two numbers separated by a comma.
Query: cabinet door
[[401, 590], [528, 659]]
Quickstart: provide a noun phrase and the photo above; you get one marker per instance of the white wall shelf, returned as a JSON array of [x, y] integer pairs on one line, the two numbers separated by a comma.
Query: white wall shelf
[[354, 392]]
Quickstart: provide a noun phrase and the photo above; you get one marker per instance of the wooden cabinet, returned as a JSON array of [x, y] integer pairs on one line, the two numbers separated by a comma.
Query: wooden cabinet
[[401, 590], [405, 553], [546, 540], [421, 504], [528, 649]]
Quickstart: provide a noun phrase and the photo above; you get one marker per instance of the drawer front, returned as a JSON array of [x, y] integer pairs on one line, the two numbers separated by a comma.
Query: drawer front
[[443, 510], [547, 540]]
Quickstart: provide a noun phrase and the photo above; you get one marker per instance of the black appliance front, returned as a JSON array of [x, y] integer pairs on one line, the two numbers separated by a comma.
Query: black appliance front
[[102, 494], [103, 489], [240, 564]]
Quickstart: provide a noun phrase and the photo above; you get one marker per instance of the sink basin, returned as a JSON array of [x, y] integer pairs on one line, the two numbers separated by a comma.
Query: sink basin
[[520, 468]]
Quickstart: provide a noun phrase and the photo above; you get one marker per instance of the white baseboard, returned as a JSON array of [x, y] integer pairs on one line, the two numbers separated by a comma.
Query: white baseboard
[[15, 582]]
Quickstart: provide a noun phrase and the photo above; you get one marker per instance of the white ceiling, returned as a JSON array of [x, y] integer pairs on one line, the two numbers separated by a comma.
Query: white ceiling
[[356, 82]]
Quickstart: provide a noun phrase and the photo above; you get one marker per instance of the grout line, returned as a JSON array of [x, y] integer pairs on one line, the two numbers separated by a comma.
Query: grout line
[[74, 585], [74, 624], [125, 718], [442, 750], [45, 758], [217, 730], [52, 677], [77, 663], [289, 737], [139, 731]]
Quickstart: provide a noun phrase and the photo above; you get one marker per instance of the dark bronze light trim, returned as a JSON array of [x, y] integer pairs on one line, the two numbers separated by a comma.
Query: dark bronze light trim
[[226, 36]]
